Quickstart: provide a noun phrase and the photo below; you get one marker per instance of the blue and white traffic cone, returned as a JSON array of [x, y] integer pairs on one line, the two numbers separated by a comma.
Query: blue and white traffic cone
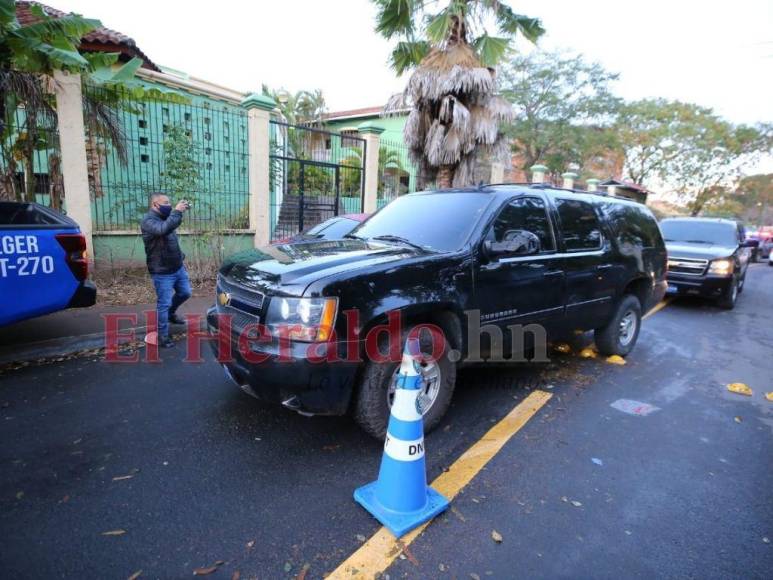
[[400, 498]]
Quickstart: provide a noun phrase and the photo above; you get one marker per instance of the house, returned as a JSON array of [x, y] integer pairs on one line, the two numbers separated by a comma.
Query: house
[[626, 189]]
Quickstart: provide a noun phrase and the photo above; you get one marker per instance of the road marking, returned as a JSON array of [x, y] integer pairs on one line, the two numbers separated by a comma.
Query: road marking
[[658, 307], [378, 553]]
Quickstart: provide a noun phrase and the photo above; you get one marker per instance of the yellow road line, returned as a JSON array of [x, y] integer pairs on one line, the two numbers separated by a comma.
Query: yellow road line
[[378, 553], [658, 307]]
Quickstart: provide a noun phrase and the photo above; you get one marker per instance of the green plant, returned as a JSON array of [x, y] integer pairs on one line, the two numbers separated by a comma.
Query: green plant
[[455, 113]]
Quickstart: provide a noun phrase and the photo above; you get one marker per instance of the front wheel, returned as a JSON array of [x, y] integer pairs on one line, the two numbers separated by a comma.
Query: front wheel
[[620, 335], [729, 296], [377, 387]]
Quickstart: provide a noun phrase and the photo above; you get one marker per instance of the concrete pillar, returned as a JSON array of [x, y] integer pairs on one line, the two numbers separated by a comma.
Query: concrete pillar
[[497, 172], [538, 173], [259, 108], [612, 190], [72, 142], [593, 184], [569, 178], [371, 133]]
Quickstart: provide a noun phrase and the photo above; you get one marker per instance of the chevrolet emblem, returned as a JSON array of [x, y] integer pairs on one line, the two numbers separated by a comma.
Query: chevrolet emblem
[[224, 298]]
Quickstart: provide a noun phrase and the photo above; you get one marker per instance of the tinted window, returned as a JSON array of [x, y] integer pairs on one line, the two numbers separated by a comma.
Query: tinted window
[[579, 225], [528, 214], [633, 224], [699, 232], [436, 221], [333, 228]]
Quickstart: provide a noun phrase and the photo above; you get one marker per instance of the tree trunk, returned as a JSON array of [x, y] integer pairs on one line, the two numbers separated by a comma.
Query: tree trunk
[[445, 176]]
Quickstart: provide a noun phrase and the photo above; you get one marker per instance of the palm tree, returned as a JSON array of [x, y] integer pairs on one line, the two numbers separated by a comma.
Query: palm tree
[[455, 113]]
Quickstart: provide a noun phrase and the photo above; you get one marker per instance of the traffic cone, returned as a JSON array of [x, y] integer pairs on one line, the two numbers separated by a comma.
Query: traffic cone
[[400, 498]]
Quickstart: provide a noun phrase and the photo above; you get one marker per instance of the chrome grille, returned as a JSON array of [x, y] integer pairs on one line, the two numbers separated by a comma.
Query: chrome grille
[[252, 299], [687, 266]]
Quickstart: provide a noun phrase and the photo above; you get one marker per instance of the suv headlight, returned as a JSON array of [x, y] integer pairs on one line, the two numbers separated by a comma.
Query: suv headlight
[[722, 267], [304, 319]]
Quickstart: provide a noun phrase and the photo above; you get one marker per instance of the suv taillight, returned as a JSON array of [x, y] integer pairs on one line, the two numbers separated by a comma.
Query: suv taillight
[[74, 246]]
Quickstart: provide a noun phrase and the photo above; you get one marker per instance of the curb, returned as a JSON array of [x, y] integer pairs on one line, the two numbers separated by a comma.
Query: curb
[[63, 346]]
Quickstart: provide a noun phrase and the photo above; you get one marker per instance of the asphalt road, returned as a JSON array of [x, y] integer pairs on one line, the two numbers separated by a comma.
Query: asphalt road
[[193, 472]]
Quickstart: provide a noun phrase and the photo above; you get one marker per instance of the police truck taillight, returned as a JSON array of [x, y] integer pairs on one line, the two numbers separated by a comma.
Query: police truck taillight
[[74, 246]]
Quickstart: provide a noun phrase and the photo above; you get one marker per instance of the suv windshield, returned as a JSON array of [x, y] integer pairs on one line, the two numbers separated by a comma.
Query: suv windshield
[[699, 232], [437, 221]]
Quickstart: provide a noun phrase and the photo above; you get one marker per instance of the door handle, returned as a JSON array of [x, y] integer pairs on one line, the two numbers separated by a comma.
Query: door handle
[[553, 273], [603, 266]]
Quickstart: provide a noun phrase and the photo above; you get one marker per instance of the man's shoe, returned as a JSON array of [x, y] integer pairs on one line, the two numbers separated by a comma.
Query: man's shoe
[[176, 319], [166, 343]]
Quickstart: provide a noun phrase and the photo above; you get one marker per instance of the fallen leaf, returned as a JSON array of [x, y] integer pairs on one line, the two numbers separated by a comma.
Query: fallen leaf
[[496, 536], [236, 575], [739, 389], [588, 353], [458, 514], [769, 396], [766, 539], [19, 494], [441, 567], [288, 566], [474, 576], [122, 477], [114, 533], [250, 544], [209, 569], [576, 503], [737, 419], [136, 575], [563, 348], [615, 359], [408, 554], [564, 498], [597, 461], [361, 538]]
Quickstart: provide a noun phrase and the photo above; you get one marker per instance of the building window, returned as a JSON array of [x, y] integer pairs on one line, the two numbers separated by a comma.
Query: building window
[[349, 138], [143, 140], [208, 151], [165, 111], [227, 168], [144, 158], [187, 117], [208, 136], [142, 123], [206, 120], [328, 144], [209, 167]]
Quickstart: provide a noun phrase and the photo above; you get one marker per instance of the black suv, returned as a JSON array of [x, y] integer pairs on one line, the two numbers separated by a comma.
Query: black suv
[[454, 260], [706, 257]]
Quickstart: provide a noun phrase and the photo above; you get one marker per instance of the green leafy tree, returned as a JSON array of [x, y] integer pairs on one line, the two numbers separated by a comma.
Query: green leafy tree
[[565, 109], [455, 113], [755, 194]]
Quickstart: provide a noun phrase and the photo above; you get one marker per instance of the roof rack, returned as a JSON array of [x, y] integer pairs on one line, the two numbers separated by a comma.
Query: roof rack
[[547, 186]]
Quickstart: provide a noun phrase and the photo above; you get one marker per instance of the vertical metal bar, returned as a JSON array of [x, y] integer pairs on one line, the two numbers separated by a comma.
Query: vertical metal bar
[[338, 190], [301, 195]]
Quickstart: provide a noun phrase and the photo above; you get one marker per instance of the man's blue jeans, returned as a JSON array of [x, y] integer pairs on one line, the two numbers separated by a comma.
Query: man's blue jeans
[[171, 290]]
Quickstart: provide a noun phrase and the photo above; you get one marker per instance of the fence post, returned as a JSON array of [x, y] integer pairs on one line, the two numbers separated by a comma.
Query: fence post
[[538, 173], [593, 184], [569, 178], [371, 133], [72, 142], [259, 108]]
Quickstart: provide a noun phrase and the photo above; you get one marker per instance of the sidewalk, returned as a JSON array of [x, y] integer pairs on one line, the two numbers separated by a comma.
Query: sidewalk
[[70, 331]]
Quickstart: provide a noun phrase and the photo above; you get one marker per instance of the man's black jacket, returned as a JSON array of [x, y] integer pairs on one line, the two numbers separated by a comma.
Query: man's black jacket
[[162, 251]]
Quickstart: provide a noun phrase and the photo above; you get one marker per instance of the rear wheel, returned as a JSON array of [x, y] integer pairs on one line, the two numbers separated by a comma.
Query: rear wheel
[[377, 388], [620, 335]]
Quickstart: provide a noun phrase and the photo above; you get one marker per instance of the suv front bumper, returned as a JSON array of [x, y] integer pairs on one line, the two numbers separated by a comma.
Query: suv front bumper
[[707, 286], [302, 384]]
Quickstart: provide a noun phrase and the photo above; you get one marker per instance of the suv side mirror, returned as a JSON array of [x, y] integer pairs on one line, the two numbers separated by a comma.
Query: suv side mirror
[[515, 243]]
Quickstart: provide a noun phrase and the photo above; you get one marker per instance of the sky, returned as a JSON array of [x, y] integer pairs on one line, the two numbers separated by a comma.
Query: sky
[[715, 53]]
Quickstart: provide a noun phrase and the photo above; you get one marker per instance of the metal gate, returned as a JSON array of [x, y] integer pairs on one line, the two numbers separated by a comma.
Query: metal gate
[[314, 175]]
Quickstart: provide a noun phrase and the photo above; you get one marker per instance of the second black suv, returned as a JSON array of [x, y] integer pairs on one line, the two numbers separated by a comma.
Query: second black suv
[[458, 260], [706, 257]]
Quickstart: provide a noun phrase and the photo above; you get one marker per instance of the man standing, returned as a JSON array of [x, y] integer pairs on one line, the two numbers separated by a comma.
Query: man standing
[[165, 261]]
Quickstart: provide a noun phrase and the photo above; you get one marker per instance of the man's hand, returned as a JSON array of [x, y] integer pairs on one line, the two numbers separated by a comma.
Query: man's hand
[[182, 206]]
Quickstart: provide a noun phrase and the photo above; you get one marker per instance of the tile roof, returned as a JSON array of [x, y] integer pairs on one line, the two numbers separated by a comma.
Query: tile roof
[[101, 39], [353, 113]]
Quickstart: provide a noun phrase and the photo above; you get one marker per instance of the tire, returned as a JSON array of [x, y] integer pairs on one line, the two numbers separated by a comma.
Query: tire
[[742, 283], [371, 407], [729, 296], [619, 336]]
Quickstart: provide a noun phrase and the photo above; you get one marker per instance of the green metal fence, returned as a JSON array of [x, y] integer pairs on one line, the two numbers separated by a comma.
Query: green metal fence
[[397, 174], [189, 147]]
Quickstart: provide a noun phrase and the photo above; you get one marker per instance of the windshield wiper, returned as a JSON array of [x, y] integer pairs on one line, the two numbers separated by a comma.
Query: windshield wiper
[[354, 237], [400, 240]]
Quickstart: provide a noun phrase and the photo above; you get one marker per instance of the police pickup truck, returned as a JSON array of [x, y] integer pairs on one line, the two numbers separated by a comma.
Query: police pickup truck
[[458, 260], [43, 263]]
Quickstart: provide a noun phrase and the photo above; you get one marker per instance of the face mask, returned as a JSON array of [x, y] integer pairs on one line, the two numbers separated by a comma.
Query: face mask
[[165, 210]]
